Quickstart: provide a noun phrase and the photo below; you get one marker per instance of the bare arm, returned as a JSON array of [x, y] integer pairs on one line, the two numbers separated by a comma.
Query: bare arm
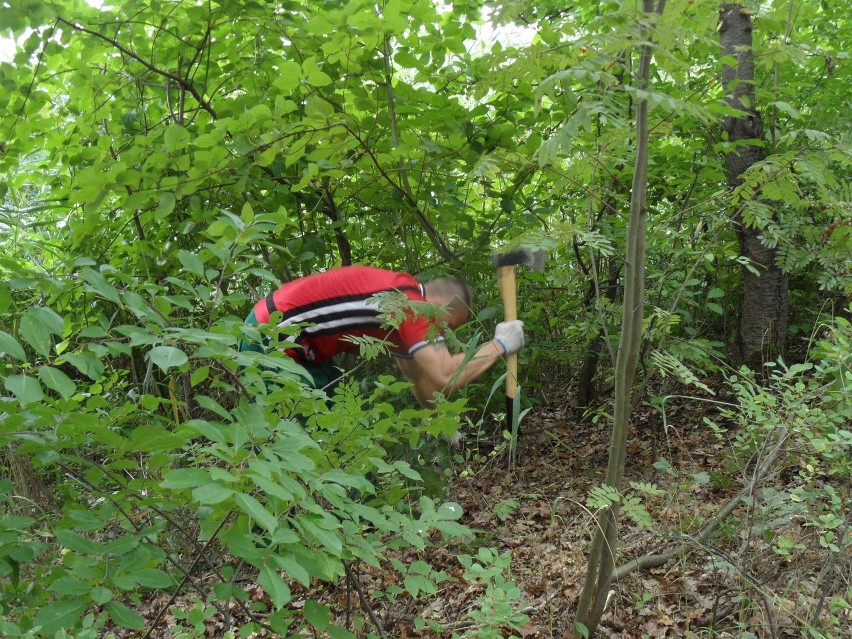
[[433, 368]]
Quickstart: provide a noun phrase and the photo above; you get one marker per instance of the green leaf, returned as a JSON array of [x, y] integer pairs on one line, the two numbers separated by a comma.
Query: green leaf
[[100, 595], [26, 389], [317, 78], [37, 324], [310, 526], [153, 578], [166, 205], [336, 632], [124, 616], [318, 107], [317, 615], [293, 568], [56, 380], [701, 477], [289, 76], [87, 363], [254, 509], [10, 346], [100, 285], [450, 510], [176, 138], [274, 586], [191, 263], [150, 438], [211, 493], [79, 543], [199, 375], [55, 617], [185, 478], [167, 357], [406, 470], [49, 319]]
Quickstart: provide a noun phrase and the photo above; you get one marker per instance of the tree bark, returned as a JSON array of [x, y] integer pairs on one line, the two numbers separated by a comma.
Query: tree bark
[[764, 300]]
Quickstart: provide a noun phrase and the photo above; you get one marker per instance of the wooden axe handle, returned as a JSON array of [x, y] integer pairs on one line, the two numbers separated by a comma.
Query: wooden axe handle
[[509, 295]]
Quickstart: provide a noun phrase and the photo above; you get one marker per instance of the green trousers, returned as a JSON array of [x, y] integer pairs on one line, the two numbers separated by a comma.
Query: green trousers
[[321, 375]]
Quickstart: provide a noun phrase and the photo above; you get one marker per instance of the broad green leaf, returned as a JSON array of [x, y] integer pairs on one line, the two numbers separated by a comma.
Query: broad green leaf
[[149, 438], [166, 205], [254, 509], [58, 616], [26, 389], [406, 470], [10, 346], [318, 78], [191, 263], [310, 525], [80, 543], [318, 615], [100, 285], [36, 327], [124, 616], [339, 476], [137, 335], [274, 586], [100, 595], [48, 318], [167, 357], [153, 578], [289, 76], [318, 107], [338, 632], [450, 510], [199, 375], [56, 380], [176, 138], [271, 488], [293, 568], [87, 363], [70, 587], [185, 478], [211, 493]]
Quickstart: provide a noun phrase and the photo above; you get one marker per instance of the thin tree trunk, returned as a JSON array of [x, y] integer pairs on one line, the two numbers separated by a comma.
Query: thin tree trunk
[[603, 551], [764, 306]]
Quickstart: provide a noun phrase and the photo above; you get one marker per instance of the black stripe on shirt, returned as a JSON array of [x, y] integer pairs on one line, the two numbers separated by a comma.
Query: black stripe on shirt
[[342, 299]]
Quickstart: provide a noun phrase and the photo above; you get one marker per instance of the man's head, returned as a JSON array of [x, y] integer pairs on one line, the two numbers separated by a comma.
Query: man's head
[[452, 294]]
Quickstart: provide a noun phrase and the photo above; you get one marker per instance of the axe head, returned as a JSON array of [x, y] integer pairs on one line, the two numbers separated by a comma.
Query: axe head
[[531, 258]]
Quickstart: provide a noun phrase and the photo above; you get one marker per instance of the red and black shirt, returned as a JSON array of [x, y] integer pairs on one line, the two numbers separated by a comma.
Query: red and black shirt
[[337, 304]]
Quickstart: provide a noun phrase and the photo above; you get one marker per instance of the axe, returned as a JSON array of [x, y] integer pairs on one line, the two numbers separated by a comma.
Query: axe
[[506, 264]]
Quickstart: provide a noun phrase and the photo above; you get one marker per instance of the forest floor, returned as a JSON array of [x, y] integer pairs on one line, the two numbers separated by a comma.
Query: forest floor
[[733, 585]]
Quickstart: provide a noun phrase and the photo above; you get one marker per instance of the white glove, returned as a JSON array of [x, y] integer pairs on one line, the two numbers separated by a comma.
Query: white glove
[[510, 336]]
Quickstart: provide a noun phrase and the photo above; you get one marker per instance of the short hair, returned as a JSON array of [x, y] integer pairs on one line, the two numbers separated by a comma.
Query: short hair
[[455, 290]]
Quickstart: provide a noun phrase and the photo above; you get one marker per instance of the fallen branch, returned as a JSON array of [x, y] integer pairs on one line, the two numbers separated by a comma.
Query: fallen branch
[[646, 562]]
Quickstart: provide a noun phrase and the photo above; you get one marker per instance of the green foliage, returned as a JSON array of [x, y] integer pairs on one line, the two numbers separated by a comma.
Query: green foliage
[[604, 497], [161, 172], [171, 451], [789, 430], [500, 601]]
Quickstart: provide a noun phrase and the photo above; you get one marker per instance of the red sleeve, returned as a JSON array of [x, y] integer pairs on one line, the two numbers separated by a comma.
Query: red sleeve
[[415, 332]]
